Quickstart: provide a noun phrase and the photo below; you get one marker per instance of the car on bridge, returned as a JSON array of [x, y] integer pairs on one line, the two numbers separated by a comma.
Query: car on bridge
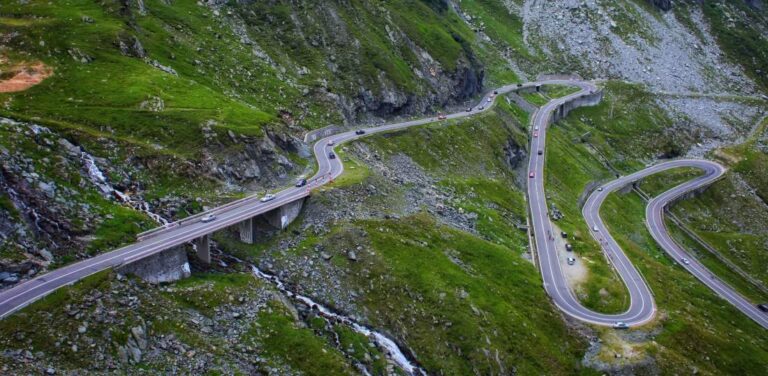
[[208, 218], [301, 183], [267, 197]]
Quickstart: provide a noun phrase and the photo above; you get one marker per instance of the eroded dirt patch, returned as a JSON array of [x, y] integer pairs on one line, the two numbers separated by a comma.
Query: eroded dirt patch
[[23, 76]]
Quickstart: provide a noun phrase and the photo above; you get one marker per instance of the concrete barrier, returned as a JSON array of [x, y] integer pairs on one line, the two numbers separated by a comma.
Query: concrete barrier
[[317, 134]]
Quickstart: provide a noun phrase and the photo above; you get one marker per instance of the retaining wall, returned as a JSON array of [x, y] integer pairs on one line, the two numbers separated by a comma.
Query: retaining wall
[[522, 103], [589, 99]]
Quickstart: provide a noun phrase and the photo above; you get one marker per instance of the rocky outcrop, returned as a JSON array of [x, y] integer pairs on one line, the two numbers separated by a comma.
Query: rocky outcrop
[[664, 5], [358, 78], [514, 154], [248, 161]]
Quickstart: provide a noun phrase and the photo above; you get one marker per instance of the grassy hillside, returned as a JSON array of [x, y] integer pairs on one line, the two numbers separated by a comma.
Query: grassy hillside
[[731, 215], [462, 301], [690, 315]]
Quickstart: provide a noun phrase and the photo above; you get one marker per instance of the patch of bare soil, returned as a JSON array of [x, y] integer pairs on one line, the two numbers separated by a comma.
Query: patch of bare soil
[[575, 274], [23, 76]]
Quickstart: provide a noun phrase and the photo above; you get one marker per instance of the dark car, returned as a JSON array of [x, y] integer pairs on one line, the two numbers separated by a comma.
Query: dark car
[[301, 182], [495, 92], [541, 152], [331, 155], [519, 85], [563, 234], [763, 307], [568, 247], [359, 131]]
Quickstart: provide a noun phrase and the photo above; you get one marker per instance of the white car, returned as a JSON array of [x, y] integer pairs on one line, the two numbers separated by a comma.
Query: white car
[[268, 197], [571, 260], [489, 100], [620, 325], [207, 218], [600, 189], [594, 228], [686, 261], [330, 142], [536, 128]]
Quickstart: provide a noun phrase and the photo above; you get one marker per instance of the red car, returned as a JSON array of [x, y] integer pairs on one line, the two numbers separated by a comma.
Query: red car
[[535, 134], [531, 175]]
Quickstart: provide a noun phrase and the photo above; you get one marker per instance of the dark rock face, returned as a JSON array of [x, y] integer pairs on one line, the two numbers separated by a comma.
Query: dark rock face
[[131, 46], [514, 154], [756, 4], [664, 5], [358, 78], [251, 162]]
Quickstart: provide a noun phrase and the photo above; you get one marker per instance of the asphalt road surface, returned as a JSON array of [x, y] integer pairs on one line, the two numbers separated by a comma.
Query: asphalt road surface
[[642, 308]]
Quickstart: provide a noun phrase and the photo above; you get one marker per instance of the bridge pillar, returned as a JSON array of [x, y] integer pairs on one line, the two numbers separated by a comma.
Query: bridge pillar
[[246, 228], [169, 265], [203, 245], [281, 217]]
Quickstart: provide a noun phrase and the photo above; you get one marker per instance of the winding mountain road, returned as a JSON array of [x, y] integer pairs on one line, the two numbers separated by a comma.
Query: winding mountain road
[[642, 307]]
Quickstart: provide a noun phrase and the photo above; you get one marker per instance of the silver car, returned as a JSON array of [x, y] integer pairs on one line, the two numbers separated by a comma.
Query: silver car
[[268, 197], [208, 218], [620, 325]]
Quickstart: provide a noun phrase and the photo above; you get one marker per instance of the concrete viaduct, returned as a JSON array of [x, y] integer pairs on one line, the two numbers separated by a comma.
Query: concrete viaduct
[[171, 264]]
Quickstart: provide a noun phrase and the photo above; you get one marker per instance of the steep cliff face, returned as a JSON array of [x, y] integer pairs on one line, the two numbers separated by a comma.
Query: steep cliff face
[[369, 59]]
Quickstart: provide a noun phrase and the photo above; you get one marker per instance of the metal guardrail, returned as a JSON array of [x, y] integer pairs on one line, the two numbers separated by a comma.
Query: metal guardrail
[[193, 218]]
